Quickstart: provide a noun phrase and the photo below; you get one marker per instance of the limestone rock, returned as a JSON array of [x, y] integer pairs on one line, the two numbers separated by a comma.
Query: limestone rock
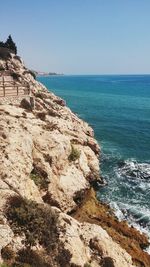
[[35, 152], [91, 244]]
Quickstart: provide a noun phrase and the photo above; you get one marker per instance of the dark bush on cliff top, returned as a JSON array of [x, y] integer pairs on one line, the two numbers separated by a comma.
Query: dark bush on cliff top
[[9, 44], [4, 53]]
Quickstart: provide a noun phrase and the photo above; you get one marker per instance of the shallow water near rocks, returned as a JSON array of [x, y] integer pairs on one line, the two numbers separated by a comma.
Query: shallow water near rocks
[[118, 109]]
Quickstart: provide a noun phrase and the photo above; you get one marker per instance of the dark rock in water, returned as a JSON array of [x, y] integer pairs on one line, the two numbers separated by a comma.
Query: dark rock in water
[[96, 184], [121, 163]]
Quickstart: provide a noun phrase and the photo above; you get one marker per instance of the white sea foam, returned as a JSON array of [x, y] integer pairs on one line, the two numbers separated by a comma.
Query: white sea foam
[[133, 169], [127, 212], [128, 192], [119, 214]]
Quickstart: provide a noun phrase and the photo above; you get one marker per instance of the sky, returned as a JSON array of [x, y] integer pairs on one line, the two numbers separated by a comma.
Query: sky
[[80, 36]]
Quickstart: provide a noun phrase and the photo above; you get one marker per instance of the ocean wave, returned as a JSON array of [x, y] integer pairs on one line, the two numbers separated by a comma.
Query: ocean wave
[[136, 216], [133, 169], [113, 156], [128, 190]]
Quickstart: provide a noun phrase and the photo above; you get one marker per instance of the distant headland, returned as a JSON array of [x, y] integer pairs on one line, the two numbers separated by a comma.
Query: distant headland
[[42, 73]]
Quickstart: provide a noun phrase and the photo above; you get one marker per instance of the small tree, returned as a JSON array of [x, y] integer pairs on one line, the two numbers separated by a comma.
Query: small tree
[[2, 44], [10, 44]]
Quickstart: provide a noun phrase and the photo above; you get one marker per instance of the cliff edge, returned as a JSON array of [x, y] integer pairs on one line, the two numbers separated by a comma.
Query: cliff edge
[[49, 159]]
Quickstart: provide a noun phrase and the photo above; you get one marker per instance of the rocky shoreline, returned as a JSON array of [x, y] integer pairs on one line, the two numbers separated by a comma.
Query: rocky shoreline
[[49, 215], [129, 238]]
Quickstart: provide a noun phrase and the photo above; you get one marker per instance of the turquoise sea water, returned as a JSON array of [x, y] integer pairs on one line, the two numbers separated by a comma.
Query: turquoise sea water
[[118, 108]]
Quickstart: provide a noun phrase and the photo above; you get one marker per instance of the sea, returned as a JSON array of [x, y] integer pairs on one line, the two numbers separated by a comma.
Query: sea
[[118, 109]]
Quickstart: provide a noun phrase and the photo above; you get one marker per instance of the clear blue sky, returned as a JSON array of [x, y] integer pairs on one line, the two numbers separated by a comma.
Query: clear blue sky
[[80, 36]]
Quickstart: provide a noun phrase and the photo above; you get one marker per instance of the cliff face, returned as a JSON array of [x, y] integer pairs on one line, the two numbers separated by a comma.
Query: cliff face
[[49, 158]]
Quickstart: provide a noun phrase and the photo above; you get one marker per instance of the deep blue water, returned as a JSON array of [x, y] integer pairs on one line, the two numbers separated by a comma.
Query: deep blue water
[[118, 108]]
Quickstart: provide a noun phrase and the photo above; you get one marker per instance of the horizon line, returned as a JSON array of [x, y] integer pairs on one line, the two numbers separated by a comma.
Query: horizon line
[[95, 74]]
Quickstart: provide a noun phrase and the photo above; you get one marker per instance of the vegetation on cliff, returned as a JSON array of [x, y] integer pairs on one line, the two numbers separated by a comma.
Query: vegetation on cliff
[[38, 224], [9, 44], [74, 155]]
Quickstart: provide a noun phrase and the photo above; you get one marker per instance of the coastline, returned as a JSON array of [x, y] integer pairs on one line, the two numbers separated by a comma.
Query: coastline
[[58, 161], [123, 136]]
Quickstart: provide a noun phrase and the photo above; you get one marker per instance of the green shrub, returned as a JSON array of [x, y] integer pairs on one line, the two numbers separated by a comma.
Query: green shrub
[[31, 258], [40, 178], [87, 265], [64, 256], [74, 155], [36, 178], [4, 265], [7, 253], [25, 257], [36, 221]]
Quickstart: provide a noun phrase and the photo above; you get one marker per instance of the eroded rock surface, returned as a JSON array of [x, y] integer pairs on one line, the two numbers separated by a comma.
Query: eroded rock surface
[[48, 157]]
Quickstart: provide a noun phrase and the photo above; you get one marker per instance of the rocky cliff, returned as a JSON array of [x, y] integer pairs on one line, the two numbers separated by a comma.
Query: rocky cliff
[[49, 159]]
